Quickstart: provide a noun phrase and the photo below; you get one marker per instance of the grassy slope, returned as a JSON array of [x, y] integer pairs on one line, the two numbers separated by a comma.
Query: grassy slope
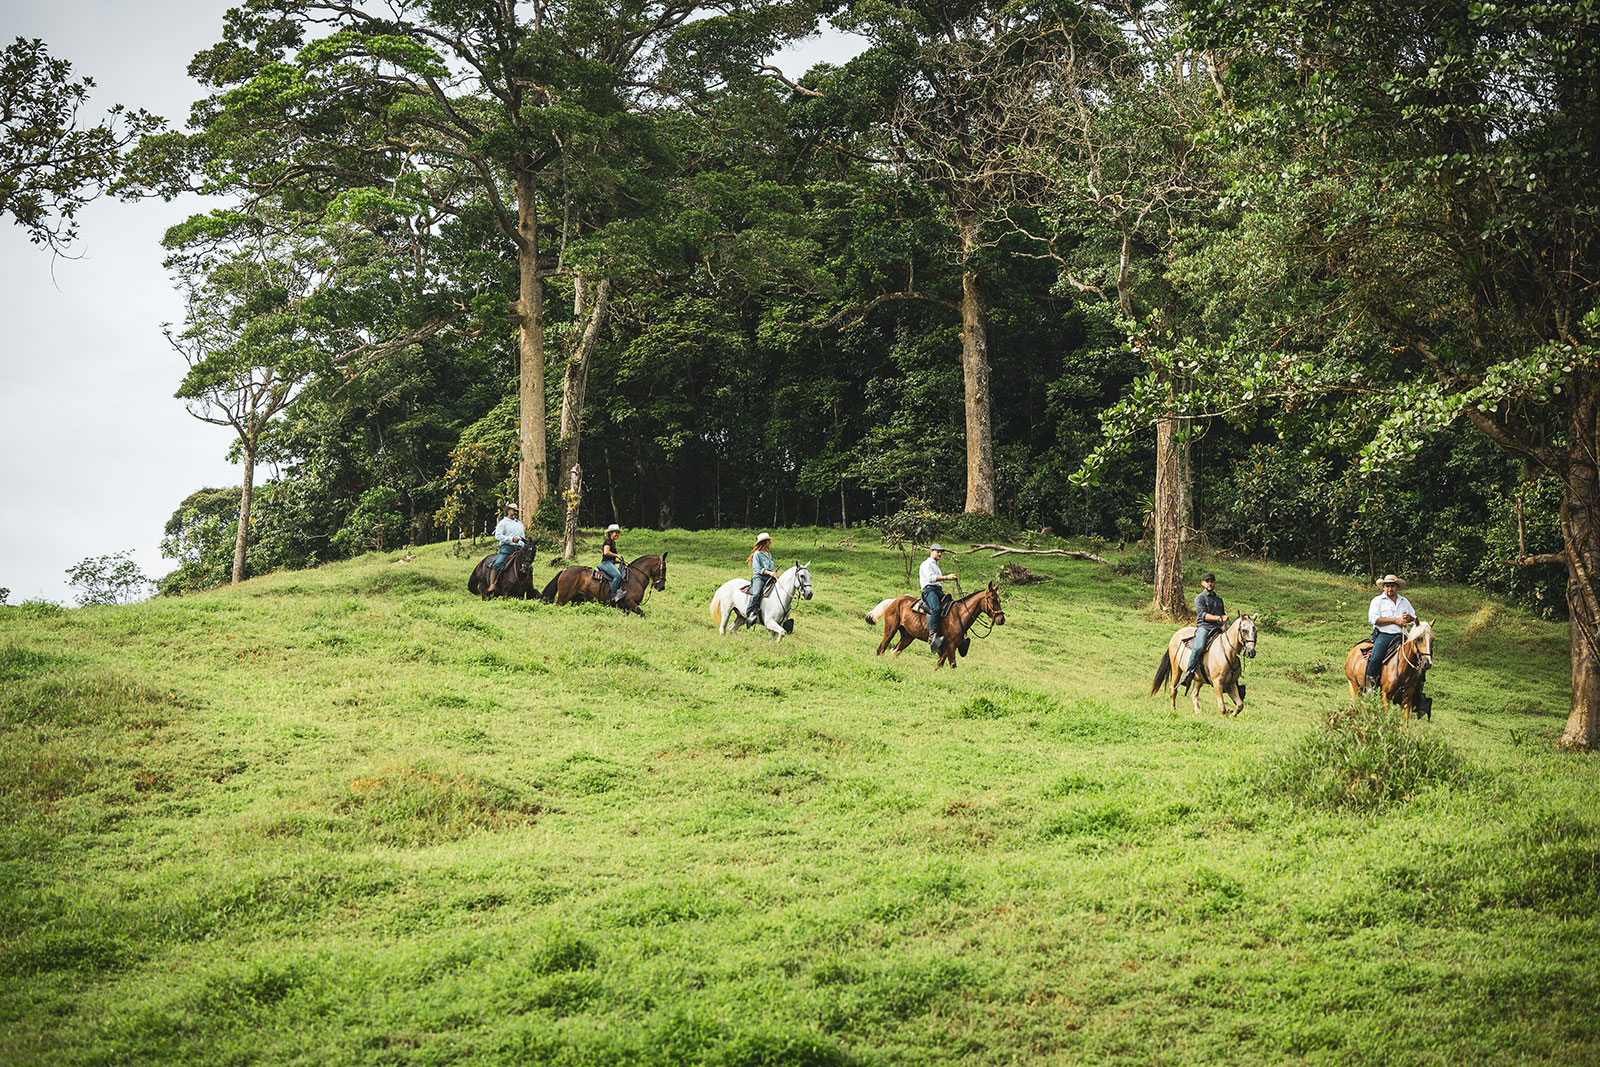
[[354, 815]]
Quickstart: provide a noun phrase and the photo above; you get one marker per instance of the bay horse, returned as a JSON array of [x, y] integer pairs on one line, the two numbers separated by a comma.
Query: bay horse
[[730, 600], [577, 584], [900, 617], [1221, 662], [516, 578], [1400, 681]]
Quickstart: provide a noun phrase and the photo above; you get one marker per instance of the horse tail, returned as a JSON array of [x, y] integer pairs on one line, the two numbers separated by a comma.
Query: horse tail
[[549, 594], [472, 580], [1162, 673], [875, 616], [716, 608]]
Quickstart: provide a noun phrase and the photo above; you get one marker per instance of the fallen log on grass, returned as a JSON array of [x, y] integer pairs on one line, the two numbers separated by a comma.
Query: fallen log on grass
[[1005, 550]]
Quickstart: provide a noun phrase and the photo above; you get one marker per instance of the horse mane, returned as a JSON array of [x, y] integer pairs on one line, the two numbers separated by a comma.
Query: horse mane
[[1418, 630]]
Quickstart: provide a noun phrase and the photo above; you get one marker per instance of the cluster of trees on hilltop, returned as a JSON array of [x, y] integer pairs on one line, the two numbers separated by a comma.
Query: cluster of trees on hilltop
[[1311, 280]]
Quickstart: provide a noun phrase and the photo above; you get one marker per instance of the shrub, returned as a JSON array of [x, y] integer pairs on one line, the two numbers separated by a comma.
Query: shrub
[[1362, 757], [113, 579]]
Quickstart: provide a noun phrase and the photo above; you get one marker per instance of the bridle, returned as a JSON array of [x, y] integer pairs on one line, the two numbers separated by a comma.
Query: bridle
[[982, 607]]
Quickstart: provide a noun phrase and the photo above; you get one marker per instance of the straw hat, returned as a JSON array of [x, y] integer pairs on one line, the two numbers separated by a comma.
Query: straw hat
[[1389, 578], [760, 537], [613, 528]]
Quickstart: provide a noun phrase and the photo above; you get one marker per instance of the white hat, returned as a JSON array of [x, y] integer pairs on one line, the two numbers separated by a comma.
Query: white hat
[[1387, 578], [936, 547], [614, 527], [760, 537], [512, 507]]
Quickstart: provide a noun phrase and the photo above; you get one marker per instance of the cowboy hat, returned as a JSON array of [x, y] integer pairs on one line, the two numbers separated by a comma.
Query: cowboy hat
[[512, 507], [760, 537], [1389, 578], [613, 528]]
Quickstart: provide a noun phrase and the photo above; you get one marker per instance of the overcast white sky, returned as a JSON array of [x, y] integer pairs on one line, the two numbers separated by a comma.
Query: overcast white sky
[[95, 454]]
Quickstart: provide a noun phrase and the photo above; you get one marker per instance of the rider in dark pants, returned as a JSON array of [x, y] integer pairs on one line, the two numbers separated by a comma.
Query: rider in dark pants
[[510, 535], [611, 562], [933, 578], [1389, 613], [1209, 618], [761, 573]]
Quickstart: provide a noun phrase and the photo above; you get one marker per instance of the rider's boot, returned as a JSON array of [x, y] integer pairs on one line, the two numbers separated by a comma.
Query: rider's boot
[[936, 636], [616, 598]]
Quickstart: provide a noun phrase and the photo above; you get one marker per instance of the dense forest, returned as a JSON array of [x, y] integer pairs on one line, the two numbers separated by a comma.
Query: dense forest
[[1304, 281]]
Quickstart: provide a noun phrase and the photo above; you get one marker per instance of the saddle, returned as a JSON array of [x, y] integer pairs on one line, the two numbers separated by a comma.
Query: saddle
[[1365, 648], [1188, 642], [744, 590]]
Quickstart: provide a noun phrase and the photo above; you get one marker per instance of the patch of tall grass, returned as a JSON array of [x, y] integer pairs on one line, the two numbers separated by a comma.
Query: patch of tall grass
[[1363, 757]]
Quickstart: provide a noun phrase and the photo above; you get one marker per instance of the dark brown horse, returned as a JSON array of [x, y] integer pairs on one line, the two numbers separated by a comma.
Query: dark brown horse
[[516, 578], [1401, 679], [577, 584], [899, 616]]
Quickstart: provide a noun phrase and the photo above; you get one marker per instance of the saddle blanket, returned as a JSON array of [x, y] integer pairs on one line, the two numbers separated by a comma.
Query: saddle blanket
[[1365, 648], [744, 590]]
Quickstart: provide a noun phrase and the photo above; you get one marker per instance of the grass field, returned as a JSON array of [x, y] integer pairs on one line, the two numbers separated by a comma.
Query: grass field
[[353, 815]]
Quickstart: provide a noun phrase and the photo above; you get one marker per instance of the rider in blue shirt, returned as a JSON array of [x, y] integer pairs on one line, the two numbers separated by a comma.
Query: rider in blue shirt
[[510, 534], [1209, 617], [761, 573], [612, 565]]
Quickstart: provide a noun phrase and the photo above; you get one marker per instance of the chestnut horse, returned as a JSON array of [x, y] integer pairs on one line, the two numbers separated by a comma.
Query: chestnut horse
[[899, 617], [1401, 678], [1221, 663], [577, 584], [516, 578]]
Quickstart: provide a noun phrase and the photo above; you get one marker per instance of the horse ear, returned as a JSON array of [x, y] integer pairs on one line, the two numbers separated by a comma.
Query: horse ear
[[991, 587], [808, 564]]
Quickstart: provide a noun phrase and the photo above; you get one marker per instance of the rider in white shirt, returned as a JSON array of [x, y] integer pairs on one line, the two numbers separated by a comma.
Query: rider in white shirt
[[933, 577], [1389, 613], [510, 534]]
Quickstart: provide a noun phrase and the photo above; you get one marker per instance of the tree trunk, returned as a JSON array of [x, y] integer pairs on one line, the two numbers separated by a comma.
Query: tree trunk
[[574, 496], [1580, 535], [532, 478], [975, 377], [1169, 601], [246, 492], [574, 387]]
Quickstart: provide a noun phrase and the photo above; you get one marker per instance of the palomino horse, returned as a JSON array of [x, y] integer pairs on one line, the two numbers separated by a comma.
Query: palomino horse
[[1401, 678], [516, 578], [1221, 663], [900, 617], [730, 601], [577, 584]]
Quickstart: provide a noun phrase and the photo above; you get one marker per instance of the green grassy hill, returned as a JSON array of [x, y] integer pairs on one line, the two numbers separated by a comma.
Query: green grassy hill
[[354, 815]]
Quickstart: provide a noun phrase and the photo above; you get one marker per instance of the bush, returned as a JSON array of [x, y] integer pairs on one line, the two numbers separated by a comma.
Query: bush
[[1361, 758], [113, 579]]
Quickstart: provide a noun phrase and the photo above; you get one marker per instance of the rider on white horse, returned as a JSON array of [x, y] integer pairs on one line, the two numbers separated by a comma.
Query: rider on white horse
[[761, 572]]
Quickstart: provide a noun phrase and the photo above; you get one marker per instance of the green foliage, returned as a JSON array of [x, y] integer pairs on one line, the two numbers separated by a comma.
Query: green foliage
[[113, 579], [375, 523], [51, 167], [1363, 758]]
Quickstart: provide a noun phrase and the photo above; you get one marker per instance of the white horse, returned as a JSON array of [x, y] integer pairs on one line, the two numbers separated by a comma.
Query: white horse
[[729, 603]]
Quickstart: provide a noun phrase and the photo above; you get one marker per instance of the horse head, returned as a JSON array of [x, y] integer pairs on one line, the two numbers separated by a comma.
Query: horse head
[[802, 577], [991, 604], [1247, 630], [1420, 642], [658, 573]]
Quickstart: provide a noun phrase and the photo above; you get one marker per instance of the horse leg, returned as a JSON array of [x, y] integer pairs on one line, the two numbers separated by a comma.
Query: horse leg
[[888, 632], [905, 641]]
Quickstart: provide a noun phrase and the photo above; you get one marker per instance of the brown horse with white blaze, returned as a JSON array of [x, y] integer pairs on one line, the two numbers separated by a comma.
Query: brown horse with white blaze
[[899, 616], [1400, 680], [1222, 663]]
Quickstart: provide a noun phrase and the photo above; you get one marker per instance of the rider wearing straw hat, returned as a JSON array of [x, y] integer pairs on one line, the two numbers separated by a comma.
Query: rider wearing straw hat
[[1389, 614], [510, 534], [933, 577], [761, 573]]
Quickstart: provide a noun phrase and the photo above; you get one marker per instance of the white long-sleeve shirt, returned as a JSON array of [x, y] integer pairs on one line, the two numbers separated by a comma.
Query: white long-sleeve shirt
[[929, 573], [1384, 608], [509, 531]]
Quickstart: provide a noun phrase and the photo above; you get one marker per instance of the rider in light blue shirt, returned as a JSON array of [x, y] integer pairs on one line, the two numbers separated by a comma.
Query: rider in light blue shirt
[[761, 573], [510, 535], [933, 577]]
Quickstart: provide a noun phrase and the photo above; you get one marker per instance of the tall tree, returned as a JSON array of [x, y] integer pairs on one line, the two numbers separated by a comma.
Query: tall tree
[[526, 106], [49, 165]]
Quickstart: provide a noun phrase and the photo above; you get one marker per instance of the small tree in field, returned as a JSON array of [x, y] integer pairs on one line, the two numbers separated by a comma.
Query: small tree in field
[[113, 579]]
